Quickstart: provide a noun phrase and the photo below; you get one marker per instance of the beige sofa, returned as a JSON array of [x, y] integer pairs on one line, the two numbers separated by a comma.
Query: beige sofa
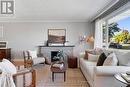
[[103, 76]]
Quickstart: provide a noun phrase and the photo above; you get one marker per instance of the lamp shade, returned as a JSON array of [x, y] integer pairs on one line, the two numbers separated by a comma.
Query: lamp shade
[[90, 39]]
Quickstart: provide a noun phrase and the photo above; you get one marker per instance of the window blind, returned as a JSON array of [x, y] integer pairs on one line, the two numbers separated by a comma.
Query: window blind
[[116, 6]]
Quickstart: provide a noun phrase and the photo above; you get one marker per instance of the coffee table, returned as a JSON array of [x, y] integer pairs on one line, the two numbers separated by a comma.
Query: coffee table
[[119, 78], [58, 70]]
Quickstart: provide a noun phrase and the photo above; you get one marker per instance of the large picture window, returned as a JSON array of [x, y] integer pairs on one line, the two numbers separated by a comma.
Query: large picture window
[[116, 31]]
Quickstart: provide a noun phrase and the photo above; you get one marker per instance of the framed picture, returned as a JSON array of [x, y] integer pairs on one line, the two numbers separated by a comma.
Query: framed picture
[[57, 36]]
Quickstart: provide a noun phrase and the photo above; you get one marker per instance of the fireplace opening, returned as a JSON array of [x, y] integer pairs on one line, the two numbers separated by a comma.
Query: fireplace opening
[[54, 56]]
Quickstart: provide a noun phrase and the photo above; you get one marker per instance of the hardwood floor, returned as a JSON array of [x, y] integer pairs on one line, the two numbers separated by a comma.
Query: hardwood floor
[[74, 78]]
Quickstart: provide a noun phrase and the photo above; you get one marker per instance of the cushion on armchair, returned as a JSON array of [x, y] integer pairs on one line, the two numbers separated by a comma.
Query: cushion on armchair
[[35, 58], [38, 60], [33, 54]]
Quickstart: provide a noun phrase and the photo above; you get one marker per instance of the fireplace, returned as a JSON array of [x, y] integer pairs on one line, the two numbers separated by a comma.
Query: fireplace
[[53, 56], [47, 51]]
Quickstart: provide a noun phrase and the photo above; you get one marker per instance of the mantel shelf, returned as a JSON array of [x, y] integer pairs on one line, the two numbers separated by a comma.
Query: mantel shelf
[[57, 46]]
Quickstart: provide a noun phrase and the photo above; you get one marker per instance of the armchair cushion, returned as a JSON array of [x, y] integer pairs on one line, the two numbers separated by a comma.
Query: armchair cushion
[[33, 54], [38, 60]]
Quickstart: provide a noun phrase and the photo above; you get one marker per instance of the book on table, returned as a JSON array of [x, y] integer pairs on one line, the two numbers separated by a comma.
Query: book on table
[[126, 77]]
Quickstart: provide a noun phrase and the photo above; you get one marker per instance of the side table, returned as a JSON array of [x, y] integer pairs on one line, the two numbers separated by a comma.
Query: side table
[[119, 78], [72, 62]]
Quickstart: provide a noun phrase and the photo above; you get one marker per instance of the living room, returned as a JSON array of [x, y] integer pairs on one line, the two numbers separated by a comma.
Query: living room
[[61, 34]]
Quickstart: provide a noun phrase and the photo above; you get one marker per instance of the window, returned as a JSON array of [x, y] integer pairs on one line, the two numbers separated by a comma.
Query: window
[[116, 31]]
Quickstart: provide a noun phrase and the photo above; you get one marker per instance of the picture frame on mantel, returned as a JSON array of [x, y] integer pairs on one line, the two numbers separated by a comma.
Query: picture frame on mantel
[[56, 36]]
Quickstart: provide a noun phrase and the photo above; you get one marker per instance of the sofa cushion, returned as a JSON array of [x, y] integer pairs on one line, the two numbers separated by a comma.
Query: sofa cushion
[[90, 70], [101, 59], [111, 60], [92, 57], [123, 57], [87, 63]]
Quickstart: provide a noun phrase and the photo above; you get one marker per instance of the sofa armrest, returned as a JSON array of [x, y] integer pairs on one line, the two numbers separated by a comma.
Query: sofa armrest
[[110, 70], [81, 55]]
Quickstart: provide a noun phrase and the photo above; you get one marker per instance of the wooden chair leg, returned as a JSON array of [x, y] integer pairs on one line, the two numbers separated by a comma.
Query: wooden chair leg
[[64, 76], [34, 78], [53, 76]]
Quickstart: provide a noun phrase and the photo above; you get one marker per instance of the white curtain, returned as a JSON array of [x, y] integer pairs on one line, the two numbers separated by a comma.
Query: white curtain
[[98, 34]]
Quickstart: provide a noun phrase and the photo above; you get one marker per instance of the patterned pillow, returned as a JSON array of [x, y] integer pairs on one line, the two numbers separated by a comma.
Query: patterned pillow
[[111, 60]]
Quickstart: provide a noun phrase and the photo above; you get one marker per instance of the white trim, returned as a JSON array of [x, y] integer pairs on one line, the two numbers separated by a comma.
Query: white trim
[[98, 34], [107, 43]]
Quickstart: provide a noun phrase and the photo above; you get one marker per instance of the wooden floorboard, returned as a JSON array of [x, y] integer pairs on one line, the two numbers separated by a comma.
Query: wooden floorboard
[[74, 78]]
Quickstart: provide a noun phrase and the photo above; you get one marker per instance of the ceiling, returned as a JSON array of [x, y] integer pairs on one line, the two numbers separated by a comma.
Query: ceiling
[[82, 10]]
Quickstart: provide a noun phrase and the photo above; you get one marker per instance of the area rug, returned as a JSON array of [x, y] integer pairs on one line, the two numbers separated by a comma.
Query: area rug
[[74, 78]]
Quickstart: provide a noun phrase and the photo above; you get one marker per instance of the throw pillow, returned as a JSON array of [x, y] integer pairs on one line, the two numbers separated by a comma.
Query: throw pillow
[[101, 59], [107, 52], [90, 52], [7, 66], [98, 51], [86, 55], [92, 57], [111, 60], [33, 54]]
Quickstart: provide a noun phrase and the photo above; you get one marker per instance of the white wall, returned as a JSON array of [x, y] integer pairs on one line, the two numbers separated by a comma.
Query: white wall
[[28, 35]]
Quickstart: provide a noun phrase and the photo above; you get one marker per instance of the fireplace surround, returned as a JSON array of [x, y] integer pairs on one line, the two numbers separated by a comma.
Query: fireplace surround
[[49, 51]]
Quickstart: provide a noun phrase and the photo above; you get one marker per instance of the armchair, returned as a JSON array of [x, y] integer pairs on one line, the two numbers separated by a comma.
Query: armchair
[[30, 57], [25, 78], [22, 78]]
